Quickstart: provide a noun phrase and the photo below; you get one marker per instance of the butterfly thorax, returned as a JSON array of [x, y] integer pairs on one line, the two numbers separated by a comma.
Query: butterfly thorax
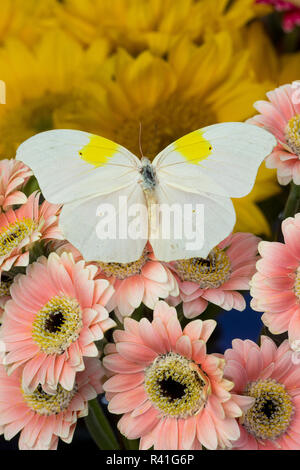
[[148, 175]]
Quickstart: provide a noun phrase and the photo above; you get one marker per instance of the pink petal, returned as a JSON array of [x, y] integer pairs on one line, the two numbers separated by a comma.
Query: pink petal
[[123, 382], [184, 346], [206, 432], [127, 401], [136, 353]]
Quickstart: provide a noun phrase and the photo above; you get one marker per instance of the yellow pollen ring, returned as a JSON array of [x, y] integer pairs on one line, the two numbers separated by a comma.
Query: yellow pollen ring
[[271, 413], [123, 271], [15, 233], [98, 151], [297, 283], [44, 404], [193, 147], [211, 272], [57, 325], [292, 134], [176, 386]]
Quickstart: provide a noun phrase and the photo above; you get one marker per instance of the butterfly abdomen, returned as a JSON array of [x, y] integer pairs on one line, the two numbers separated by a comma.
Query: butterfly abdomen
[[149, 182]]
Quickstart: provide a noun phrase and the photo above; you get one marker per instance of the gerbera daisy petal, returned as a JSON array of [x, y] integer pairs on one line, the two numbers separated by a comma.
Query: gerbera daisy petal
[[282, 119], [143, 281], [52, 312], [269, 420], [176, 391], [21, 227], [275, 287], [228, 267], [41, 417]]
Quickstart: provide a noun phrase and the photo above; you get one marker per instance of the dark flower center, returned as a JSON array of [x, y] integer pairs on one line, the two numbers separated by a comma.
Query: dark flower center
[[268, 408], [272, 411], [172, 389], [54, 321]]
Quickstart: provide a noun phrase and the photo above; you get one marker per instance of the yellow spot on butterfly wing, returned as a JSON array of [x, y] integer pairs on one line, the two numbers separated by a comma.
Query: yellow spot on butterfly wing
[[98, 151], [193, 147]]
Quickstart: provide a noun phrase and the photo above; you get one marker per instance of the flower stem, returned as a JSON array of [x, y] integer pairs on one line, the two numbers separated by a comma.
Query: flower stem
[[293, 202], [130, 444], [99, 427]]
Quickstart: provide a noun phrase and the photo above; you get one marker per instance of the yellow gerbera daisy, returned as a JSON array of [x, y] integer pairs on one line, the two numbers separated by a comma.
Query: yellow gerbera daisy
[[265, 62], [263, 58], [230, 15], [289, 68], [196, 86], [137, 25], [249, 216], [45, 88], [26, 19]]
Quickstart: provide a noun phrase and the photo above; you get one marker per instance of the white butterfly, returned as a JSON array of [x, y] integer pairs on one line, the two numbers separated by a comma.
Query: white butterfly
[[207, 166]]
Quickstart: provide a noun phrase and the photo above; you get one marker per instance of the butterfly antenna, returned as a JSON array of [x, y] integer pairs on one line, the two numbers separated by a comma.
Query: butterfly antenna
[[140, 139]]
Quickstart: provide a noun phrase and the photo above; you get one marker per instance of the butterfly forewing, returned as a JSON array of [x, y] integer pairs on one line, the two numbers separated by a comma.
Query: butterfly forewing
[[71, 164], [222, 159]]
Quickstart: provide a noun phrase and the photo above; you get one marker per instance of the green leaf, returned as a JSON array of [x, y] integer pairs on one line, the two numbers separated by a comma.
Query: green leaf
[[31, 186], [100, 428]]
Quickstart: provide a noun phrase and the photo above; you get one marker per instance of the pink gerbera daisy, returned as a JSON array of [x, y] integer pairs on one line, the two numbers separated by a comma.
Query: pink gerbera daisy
[[44, 418], [275, 287], [228, 268], [268, 376], [281, 116], [56, 313], [20, 228], [145, 280], [172, 393], [290, 9], [13, 176]]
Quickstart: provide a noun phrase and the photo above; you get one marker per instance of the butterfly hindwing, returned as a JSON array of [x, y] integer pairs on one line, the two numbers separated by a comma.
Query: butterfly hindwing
[[101, 229], [202, 221]]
